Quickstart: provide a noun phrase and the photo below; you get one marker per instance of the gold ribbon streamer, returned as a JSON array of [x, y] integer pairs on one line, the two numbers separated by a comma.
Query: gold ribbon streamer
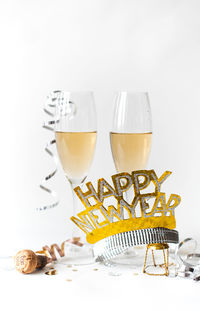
[[50, 251]]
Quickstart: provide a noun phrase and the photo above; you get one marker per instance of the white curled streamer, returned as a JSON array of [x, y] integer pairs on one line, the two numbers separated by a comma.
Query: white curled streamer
[[49, 109], [188, 259]]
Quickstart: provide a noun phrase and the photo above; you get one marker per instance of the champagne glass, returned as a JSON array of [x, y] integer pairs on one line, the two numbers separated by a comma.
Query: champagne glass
[[130, 139], [76, 132]]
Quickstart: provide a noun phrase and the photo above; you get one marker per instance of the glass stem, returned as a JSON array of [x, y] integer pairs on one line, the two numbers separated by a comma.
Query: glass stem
[[76, 232]]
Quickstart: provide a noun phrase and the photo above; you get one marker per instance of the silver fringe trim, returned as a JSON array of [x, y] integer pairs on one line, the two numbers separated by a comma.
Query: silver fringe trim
[[117, 244]]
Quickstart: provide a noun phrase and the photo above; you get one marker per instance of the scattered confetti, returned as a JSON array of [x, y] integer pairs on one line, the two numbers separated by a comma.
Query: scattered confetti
[[114, 273], [51, 272]]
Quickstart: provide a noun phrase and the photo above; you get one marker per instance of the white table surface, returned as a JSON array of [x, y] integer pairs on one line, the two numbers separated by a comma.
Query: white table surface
[[91, 289]]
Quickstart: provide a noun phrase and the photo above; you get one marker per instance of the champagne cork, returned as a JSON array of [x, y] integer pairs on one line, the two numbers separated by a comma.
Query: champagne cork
[[26, 261]]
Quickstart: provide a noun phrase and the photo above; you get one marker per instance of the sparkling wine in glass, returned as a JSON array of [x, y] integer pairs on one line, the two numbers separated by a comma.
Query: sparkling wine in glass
[[76, 132], [131, 137], [76, 151], [130, 150]]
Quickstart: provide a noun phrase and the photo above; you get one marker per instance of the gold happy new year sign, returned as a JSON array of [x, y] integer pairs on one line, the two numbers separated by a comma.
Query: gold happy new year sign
[[148, 209]]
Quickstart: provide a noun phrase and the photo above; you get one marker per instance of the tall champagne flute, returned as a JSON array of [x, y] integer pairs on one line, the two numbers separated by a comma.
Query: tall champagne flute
[[131, 137], [76, 132]]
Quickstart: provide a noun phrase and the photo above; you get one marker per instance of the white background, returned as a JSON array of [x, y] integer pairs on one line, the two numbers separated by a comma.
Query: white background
[[104, 46]]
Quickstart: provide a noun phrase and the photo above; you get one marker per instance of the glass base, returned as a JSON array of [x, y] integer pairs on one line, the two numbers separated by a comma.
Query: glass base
[[133, 257], [78, 255]]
